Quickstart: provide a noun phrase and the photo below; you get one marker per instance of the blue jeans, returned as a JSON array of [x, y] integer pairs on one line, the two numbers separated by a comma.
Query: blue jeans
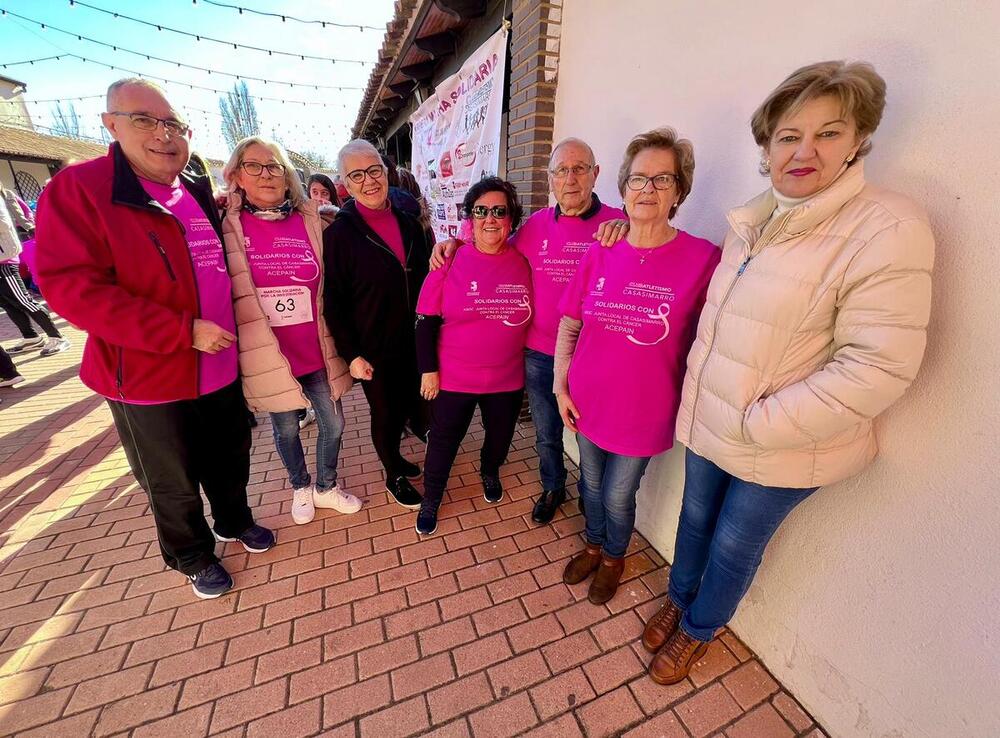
[[329, 420], [725, 525], [610, 482], [538, 377]]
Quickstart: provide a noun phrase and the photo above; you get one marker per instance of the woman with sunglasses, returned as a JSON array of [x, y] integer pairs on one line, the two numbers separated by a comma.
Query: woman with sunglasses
[[629, 316], [288, 361], [472, 322]]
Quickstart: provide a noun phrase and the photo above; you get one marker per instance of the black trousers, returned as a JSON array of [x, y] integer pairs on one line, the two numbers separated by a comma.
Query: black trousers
[[7, 368], [393, 395], [21, 306], [451, 414], [175, 447]]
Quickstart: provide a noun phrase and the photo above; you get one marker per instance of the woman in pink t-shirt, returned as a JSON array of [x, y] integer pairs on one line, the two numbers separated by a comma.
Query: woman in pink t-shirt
[[472, 322], [629, 316], [288, 361]]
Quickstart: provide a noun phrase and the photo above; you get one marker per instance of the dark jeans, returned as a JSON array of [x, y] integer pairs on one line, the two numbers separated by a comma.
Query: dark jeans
[[21, 306], [538, 376], [725, 525], [329, 420], [610, 482], [393, 395], [173, 448], [451, 414]]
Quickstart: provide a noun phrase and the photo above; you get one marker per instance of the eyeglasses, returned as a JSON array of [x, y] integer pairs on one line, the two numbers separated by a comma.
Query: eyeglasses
[[375, 171], [148, 123], [479, 212], [578, 170], [660, 181], [255, 168]]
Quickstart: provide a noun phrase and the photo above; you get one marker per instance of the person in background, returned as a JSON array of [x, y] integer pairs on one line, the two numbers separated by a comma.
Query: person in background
[[554, 241], [629, 315], [408, 183], [10, 247], [273, 238], [472, 322], [16, 226], [130, 250], [321, 190], [401, 199], [815, 323], [376, 260]]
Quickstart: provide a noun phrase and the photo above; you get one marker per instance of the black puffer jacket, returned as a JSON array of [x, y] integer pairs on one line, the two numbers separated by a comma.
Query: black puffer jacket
[[370, 300]]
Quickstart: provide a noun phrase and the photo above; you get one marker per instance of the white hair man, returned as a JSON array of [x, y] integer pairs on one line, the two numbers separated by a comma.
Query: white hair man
[[130, 249]]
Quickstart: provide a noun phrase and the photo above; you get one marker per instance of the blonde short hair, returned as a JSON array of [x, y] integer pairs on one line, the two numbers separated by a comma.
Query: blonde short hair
[[296, 192], [662, 138], [856, 85]]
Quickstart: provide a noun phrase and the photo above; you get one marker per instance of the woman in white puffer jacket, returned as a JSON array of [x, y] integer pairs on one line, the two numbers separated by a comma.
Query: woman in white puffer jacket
[[815, 323]]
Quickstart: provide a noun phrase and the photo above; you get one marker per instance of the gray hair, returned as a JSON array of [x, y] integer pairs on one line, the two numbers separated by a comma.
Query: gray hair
[[296, 193], [114, 87], [357, 146], [572, 140]]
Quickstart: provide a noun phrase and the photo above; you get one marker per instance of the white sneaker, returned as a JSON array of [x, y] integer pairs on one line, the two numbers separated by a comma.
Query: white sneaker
[[26, 344], [309, 418], [54, 346], [17, 379], [303, 510], [336, 499]]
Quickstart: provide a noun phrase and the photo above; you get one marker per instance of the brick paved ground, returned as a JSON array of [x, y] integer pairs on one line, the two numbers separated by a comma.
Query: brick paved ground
[[350, 627]]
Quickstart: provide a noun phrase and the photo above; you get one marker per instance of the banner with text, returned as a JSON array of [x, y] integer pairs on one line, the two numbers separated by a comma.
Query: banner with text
[[456, 133]]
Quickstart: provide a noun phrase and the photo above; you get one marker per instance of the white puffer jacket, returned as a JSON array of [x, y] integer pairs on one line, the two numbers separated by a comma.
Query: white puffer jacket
[[811, 329]]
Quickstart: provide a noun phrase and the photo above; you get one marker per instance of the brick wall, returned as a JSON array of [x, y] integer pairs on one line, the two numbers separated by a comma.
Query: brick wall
[[534, 73]]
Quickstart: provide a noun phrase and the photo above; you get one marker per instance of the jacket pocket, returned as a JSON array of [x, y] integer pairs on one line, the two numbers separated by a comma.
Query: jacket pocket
[[163, 254]]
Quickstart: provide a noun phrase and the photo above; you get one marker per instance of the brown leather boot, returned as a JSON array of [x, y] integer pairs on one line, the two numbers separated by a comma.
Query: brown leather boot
[[582, 565], [661, 626], [673, 662], [605, 583]]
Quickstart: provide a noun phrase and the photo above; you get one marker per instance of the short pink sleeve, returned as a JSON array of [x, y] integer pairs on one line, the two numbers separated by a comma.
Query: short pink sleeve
[[571, 304], [431, 294]]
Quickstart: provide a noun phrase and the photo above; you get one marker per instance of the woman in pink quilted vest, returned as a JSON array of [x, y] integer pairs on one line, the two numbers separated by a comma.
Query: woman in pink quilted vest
[[814, 324], [288, 361]]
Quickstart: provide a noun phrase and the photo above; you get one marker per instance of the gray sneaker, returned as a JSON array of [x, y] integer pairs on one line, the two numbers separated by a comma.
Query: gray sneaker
[[54, 346], [27, 344]]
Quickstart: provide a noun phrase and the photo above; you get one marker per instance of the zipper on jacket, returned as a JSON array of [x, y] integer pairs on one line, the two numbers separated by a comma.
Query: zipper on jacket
[[163, 254], [119, 373], [406, 281]]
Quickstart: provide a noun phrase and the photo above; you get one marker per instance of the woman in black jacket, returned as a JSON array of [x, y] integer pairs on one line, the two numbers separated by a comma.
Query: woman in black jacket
[[376, 261]]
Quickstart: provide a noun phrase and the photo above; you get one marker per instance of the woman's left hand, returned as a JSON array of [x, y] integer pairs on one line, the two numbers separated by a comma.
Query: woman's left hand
[[430, 385]]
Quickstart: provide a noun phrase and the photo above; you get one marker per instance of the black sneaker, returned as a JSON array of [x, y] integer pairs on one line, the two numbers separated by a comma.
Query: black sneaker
[[408, 469], [404, 493], [255, 539], [492, 489], [211, 582], [427, 520], [547, 504]]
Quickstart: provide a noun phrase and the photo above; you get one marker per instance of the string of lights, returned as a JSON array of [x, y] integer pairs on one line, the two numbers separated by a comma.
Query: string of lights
[[150, 57], [196, 36], [285, 17]]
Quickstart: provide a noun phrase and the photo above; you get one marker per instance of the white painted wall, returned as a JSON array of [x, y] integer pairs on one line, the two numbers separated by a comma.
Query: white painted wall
[[878, 600]]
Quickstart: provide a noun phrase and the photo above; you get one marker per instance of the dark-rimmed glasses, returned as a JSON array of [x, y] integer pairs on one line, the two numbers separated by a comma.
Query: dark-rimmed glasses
[[375, 171], [479, 212], [660, 181], [255, 168], [149, 123]]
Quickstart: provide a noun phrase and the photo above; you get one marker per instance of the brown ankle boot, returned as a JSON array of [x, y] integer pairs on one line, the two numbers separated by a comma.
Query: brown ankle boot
[[673, 662], [605, 583], [661, 626], [582, 565]]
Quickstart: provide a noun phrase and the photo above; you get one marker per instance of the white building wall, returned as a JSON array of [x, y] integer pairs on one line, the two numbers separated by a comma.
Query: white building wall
[[878, 600]]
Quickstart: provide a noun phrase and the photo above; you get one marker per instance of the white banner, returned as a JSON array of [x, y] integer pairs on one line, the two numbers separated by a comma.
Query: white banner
[[456, 133]]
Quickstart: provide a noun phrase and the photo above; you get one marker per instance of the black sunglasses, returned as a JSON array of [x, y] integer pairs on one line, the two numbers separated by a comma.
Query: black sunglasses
[[479, 212]]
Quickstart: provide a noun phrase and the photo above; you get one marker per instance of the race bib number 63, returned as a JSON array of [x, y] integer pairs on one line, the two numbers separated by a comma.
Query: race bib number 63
[[290, 305]]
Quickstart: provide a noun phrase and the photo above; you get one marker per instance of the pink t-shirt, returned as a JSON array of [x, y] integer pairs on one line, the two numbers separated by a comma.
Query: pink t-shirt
[[285, 273], [485, 303], [384, 223], [639, 319], [554, 248], [215, 294]]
